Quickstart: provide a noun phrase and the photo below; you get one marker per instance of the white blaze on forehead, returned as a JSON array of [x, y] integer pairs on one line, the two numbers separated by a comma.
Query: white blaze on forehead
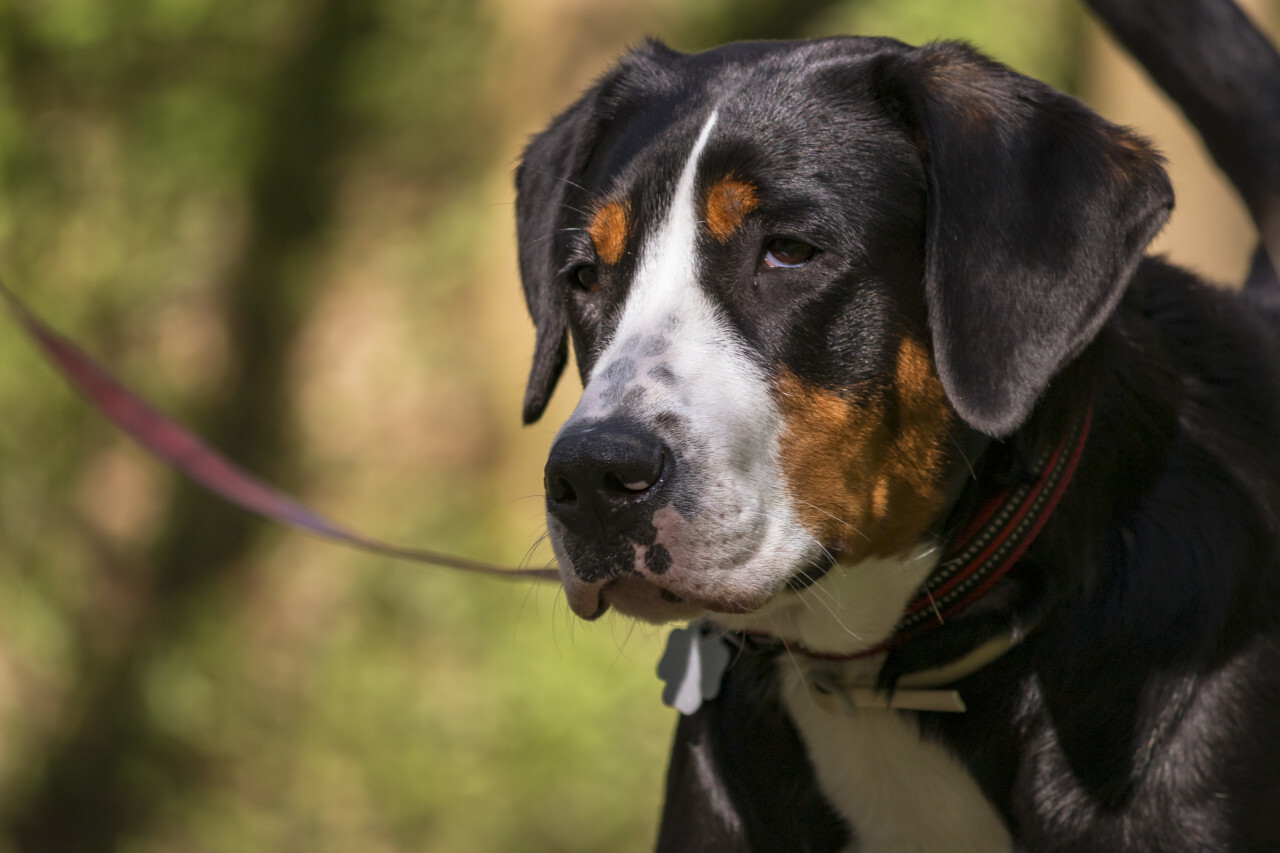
[[666, 284], [669, 323]]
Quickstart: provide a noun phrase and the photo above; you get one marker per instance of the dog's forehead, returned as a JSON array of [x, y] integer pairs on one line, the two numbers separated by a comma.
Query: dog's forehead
[[787, 134]]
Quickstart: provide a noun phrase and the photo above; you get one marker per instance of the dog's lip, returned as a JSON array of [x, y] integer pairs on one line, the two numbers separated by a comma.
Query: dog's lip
[[644, 598], [652, 601], [585, 599]]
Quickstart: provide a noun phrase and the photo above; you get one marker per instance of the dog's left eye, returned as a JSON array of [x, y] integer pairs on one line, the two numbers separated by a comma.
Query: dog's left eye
[[586, 278], [784, 253]]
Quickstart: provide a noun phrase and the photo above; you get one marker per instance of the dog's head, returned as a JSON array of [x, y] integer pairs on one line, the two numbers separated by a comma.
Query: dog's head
[[796, 276]]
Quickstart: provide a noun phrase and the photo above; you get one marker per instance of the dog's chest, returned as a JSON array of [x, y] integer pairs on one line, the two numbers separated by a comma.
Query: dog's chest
[[899, 792]]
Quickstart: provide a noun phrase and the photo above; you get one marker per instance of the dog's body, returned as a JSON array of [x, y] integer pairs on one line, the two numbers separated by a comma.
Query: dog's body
[[832, 302]]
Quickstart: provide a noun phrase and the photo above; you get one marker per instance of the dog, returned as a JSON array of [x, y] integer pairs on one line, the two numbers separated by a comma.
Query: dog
[[979, 504]]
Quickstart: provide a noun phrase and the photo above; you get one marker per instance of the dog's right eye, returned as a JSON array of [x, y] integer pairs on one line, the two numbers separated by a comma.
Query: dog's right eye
[[785, 253], [586, 278]]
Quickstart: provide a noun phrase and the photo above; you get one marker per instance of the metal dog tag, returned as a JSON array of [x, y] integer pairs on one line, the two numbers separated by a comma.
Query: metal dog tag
[[692, 667]]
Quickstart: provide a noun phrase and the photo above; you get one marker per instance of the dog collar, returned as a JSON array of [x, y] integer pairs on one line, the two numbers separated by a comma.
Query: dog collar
[[981, 555], [914, 691], [693, 666], [997, 538]]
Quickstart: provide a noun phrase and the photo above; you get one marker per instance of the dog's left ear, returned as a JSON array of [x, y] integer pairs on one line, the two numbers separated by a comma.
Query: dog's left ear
[[1038, 213]]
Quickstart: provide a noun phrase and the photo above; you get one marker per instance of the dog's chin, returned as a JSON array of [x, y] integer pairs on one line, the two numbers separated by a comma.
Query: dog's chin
[[644, 600], [672, 598], [648, 601]]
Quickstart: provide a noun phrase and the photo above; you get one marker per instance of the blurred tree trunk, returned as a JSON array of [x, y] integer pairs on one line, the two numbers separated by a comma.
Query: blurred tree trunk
[[101, 785]]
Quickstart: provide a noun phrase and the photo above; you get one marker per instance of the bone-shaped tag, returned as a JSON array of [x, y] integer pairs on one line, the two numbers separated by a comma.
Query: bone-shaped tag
[[692, 667]]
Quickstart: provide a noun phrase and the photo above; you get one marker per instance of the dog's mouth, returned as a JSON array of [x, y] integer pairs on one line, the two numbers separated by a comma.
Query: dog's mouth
[[631, 594], [647, 599]]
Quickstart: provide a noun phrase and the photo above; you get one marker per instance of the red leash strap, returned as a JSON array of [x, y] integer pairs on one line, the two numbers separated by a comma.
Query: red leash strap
[[169, 441]]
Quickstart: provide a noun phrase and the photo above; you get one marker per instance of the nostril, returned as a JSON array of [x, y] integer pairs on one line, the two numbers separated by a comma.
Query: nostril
[[615, 482], [635, 475], [560, 490]]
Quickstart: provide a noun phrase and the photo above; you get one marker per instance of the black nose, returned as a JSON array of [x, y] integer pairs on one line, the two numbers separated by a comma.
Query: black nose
[[606, 478]]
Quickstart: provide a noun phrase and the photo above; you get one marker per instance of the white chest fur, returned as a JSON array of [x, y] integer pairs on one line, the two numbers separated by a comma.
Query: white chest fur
[[900, 792]]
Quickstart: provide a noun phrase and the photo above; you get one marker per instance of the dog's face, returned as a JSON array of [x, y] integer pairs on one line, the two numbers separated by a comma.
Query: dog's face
[[798, 277]]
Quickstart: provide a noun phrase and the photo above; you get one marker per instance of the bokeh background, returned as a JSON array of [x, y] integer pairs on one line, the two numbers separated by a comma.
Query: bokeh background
[[290, 223]]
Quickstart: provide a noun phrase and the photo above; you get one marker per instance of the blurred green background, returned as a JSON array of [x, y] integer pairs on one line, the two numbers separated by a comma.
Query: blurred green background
[[290, 223]]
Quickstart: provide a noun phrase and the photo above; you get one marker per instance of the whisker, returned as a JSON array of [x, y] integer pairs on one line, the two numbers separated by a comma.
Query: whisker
[[795, 661], [834, 611], [834, 518], [542, 537], [578, 210], [840, 622], [555, 606], [622, 647], [931, 551], [800, 593], [968, 464], [540, 496], [833, 596], [528, 594], [559, 178]]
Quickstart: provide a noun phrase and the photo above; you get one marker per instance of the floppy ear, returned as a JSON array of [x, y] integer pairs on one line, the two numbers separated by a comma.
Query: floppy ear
[[543, 179], [549, 174], [1038, 213]]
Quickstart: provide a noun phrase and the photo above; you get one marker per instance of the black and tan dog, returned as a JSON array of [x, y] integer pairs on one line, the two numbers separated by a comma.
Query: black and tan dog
[[879, 384]]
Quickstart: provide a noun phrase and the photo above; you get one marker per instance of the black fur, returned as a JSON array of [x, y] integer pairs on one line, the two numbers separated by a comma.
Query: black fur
[[719, 753], [1006, 223]]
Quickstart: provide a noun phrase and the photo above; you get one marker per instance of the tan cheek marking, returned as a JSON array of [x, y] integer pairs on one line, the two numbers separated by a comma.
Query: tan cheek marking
[[915, 466], [608, 231], [830, 451], [855, 484], [728, 202]]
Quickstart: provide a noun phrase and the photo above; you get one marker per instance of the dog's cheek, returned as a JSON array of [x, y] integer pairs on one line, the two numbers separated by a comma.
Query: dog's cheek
[[909, 493], [829, 452], [855, 484]]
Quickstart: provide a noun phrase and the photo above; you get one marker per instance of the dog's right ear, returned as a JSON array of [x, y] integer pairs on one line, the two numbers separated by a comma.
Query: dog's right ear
[[548, 187], [542, 180]]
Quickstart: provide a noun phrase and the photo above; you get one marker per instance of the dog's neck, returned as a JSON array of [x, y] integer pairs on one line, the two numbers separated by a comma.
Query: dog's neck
[[850, 610], [859, 611]]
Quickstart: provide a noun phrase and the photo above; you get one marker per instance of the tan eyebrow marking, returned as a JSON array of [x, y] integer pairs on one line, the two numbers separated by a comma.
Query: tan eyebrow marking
[[608, 231], [728, 202]]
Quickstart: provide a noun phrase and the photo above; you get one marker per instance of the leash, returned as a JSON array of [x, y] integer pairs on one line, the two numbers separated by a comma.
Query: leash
[[174, 444]]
